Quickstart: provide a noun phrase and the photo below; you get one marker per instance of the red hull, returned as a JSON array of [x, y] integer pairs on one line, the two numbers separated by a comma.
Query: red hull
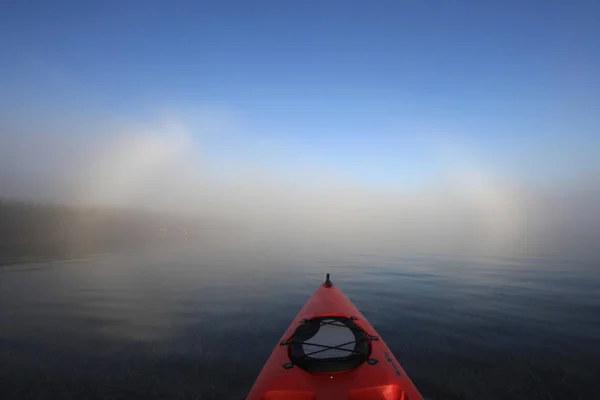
[[382, 378]]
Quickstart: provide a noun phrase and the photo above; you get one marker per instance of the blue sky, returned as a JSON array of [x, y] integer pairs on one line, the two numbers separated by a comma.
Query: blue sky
[[393, 92]]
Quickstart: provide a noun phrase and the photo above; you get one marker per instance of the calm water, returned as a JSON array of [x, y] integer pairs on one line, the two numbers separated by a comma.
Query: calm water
[[198, 322]]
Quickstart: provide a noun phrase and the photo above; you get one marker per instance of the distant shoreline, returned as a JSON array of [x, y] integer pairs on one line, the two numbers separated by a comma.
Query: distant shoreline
[[30, 230]]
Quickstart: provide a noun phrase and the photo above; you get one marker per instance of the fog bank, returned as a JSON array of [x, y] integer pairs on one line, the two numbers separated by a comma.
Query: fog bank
[[164, 168]]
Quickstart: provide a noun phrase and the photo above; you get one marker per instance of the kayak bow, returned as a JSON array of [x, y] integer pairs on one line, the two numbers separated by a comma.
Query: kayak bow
[[331, 352]]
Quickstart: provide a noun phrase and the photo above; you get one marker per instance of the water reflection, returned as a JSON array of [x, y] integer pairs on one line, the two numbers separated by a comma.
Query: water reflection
[[185, 321]]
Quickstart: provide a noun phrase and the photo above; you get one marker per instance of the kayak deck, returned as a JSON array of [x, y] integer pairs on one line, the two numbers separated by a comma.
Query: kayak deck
[[330, 351]]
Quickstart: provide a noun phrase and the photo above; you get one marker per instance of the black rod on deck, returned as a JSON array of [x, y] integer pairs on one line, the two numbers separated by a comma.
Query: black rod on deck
[[327, 281]]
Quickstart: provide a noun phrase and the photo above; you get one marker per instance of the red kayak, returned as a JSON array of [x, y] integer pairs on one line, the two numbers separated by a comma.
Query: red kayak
[[331, 352]]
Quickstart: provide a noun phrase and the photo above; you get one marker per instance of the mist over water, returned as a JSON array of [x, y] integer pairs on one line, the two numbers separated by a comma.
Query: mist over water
[[144, 268], [161, 167], [133, 265]]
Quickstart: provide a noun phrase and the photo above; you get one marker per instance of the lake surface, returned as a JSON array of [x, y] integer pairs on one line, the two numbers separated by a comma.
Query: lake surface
[[198, 321]]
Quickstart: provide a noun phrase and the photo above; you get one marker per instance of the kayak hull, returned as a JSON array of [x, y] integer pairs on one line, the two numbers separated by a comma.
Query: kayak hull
[[381, 377]]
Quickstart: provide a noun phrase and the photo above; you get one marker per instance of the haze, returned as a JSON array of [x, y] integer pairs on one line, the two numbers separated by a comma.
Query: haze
[[393, 126]]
